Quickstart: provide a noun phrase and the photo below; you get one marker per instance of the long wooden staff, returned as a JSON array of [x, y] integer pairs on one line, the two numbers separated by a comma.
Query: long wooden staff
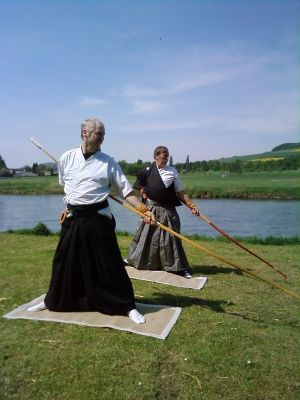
[[198, 246], [204, 218], [205, 250], [37, 144]]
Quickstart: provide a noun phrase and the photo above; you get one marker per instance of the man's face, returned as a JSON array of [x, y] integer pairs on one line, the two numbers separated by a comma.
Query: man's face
[[95, 138], [162, 159]]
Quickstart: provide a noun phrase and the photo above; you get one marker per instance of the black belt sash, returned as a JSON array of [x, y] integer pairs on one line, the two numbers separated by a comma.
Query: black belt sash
[[87, 209]]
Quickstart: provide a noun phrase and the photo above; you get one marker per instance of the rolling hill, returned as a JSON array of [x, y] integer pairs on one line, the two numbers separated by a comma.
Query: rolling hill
[[282, 151]]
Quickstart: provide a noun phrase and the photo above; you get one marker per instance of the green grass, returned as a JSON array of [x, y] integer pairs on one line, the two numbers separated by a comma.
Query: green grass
[[236, 339], [251, 185], [32, 185]]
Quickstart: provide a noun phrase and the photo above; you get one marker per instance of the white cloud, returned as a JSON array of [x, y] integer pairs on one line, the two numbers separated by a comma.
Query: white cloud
[[87, 101], [196, 68], [143, 106]]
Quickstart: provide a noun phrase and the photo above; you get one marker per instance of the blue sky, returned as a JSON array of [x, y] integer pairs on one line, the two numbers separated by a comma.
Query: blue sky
[[207, 79]]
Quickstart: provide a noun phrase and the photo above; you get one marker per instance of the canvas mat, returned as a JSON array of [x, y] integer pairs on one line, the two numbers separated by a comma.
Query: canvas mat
[[159, 319], [166, 278]]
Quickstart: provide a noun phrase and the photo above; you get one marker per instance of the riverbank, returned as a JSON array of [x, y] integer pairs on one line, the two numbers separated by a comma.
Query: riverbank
[[42, 230], [253, 185], [235, 339], [237, 217]]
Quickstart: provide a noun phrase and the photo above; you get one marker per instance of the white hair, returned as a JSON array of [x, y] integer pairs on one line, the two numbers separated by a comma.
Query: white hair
[[91, 125]]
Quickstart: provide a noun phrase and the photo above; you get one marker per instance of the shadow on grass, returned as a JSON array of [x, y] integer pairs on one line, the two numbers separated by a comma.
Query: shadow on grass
[[213, 270], [186, 301]]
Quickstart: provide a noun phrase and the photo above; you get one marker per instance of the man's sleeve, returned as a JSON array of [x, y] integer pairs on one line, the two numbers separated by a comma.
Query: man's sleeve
[[119, 180], [60, 172]]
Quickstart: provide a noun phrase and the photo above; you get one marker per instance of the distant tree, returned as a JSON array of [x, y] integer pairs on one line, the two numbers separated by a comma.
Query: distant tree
[[27, 168], [187, 163], [214, 165], [2, 162], [5, 172], [204, 166], [132, 169], [235, 166], [41, 168], [178, 166], [249, 166], [291, 163], [123, 165], [171, 161], [34, 168]]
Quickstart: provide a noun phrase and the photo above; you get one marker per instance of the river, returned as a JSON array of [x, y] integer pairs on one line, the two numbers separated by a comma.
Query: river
[[260, 218]]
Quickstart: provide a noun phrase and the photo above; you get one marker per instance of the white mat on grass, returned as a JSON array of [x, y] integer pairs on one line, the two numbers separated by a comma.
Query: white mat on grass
[[159, 319], [166, 278]]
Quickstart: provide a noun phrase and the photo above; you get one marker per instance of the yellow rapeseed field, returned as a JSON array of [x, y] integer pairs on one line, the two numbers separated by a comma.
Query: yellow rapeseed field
[[267, 159]]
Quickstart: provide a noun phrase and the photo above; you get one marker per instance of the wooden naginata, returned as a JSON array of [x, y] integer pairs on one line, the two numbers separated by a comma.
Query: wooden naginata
[[233, 240], [192, 243]]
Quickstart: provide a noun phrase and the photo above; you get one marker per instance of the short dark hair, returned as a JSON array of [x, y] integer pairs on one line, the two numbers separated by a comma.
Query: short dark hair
[[159, 150]]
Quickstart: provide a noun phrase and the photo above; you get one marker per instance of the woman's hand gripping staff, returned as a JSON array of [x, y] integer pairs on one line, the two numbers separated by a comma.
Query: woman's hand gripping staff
[[194, 209]]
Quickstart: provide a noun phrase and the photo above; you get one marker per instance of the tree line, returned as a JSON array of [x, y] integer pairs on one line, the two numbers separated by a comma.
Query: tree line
[[235, 166], [38, 169]]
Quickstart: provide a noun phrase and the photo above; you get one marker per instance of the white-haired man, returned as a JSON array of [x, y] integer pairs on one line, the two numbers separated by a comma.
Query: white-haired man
[[88, 271]]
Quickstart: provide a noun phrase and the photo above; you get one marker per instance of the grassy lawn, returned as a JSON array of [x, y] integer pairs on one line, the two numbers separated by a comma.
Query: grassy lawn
[[285, 184], [255, 185], [236, 339], [32, 185]]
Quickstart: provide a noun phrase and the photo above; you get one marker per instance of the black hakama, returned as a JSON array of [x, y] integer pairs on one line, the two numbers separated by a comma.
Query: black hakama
[[88, 271]]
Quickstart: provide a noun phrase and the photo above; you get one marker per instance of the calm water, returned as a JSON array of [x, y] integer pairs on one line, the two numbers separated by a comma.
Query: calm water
[[237, 217]]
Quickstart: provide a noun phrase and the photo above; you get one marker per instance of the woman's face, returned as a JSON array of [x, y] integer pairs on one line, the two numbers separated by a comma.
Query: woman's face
[[162, 159]]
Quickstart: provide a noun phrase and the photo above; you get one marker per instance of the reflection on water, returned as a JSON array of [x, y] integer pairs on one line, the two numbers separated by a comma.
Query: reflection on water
[[243, 218]]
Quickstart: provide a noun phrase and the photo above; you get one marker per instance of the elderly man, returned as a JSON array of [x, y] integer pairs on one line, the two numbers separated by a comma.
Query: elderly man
[[88, 271]]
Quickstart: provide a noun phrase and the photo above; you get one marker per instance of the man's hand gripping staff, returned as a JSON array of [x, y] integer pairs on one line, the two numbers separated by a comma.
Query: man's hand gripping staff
[[148, 215]]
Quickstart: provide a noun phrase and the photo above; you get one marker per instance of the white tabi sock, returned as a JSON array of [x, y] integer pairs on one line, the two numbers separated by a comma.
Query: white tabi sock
[[39, 307], [136, 317]]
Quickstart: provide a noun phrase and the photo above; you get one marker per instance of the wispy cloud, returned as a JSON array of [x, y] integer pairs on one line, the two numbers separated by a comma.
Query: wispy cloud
[[144, 106], [87, 101], [183, 84], [195, 68], [163, 125]]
